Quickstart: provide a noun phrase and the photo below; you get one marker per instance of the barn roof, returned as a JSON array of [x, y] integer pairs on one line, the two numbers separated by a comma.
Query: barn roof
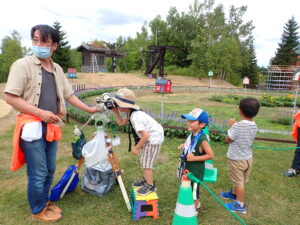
[[162, 81], [92, 48]]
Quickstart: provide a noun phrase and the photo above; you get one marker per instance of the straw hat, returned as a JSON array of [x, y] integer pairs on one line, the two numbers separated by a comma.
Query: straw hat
[[125, 98]]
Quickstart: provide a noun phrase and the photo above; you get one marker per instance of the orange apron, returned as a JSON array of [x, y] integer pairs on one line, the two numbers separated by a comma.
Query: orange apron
[[18, 158], [296, 125]]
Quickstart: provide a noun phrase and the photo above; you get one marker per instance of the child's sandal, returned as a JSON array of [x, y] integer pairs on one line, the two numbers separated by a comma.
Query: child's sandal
[[198, 206]]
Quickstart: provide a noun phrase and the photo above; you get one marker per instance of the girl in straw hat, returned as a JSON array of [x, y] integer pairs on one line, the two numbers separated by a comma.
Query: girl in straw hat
[[150, 137]]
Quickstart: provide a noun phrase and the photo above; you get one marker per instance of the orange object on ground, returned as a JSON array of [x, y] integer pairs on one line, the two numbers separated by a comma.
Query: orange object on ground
[[18, 158]]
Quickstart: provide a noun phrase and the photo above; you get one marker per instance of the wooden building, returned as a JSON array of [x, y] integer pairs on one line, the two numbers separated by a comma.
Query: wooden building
[[93, 58]]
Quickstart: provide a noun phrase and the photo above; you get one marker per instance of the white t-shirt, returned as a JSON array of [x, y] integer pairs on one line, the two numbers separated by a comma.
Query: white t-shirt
[[242, 135], [142, 121]]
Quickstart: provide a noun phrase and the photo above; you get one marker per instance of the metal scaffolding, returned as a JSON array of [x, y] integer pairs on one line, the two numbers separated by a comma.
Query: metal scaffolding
[[279, 78]]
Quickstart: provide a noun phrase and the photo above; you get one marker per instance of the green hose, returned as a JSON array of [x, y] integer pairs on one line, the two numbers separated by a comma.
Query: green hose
[[278, 149], [217, 128], [191, 176], [252, 146]]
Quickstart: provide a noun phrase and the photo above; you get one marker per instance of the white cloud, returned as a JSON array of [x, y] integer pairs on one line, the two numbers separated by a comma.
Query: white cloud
[[106, 20]]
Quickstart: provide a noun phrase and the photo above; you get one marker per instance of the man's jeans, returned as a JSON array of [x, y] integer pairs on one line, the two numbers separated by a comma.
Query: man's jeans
[[40, 157]]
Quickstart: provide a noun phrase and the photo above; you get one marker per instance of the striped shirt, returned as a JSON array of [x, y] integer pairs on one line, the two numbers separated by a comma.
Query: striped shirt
[[242, 135]]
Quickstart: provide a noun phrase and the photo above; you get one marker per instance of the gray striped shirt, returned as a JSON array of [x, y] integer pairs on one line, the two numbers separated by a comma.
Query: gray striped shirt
[[242, 135]]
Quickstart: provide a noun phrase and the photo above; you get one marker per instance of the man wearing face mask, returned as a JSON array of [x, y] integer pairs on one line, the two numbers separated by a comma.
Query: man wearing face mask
[[37, 88]]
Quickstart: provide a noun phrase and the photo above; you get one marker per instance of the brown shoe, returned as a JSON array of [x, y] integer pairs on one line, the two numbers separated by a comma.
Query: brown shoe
[[46, 215], [50, 205]]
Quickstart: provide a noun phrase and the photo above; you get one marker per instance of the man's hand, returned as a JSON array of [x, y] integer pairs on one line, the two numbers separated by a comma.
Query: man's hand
[[94, 109], [48, 117], [80, 105], [135, 151]]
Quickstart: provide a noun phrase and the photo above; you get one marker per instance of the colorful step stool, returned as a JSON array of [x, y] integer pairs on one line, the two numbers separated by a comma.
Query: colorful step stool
[[144, 205]]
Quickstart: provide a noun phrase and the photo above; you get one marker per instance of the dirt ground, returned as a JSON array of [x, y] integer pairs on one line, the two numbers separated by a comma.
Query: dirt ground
[[118, 79], [7, 116]]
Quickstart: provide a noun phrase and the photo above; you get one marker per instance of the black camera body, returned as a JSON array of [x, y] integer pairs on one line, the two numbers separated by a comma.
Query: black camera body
[[110, 103], [105, 102]]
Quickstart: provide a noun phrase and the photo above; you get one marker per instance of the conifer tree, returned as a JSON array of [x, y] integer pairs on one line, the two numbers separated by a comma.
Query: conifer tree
[[62, 54], [285, 54], [250, 68]]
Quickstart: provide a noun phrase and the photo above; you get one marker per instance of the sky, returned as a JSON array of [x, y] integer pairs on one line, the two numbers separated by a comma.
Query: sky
[[85, 21]]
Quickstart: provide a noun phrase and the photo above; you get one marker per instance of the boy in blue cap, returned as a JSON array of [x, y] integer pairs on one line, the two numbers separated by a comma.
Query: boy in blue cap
[[196, 148]]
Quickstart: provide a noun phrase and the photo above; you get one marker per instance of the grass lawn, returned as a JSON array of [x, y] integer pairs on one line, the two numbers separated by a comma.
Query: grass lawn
[[271, 198], [220, 112]]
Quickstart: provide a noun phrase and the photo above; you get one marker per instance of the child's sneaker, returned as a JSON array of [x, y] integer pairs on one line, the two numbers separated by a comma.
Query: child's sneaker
[[228, 195], [139, 183], [146, 189], [291, 173], [235, 207]]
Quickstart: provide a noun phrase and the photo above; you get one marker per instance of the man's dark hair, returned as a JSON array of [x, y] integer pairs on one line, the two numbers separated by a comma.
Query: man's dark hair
[[46, 33], [249, 107]]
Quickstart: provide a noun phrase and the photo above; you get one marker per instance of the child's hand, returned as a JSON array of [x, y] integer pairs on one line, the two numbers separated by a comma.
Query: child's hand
[[135, 151], [232, 121], [180, 147], [190, 157]]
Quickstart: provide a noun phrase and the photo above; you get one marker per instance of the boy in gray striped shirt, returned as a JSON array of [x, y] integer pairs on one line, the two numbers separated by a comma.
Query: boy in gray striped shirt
[[240, 138]]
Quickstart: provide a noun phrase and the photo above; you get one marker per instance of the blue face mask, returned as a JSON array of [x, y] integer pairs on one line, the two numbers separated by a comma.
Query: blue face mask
[[41, 51]]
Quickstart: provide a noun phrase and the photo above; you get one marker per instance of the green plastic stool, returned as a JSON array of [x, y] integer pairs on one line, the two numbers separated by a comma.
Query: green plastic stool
[[210, 173]]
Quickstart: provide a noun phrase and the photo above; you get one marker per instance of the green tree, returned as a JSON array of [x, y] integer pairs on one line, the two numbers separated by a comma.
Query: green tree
[[63, 52], [182, 29], [159, 31], [134, 58], [250, 68], [135, 48], [11, 50], [75, 59], [285, 54], [206, 38], [222, 44], [243, 31]]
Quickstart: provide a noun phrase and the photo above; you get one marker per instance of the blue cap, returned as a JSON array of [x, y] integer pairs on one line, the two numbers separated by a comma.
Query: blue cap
[[197, 114]]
